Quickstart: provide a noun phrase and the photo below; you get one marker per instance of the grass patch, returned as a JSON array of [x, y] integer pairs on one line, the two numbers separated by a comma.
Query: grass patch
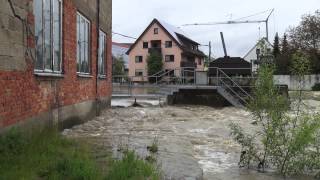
[[49, 155], [132, 168], [45, 155]]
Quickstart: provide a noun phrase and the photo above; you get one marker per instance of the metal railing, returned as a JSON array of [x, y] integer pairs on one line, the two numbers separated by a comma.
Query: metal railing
[[187, 76]]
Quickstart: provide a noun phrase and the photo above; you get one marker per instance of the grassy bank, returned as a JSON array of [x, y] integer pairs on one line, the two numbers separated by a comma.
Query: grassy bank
[[48, 155]]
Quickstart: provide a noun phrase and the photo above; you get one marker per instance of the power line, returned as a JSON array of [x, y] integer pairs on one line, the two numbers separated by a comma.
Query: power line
[[126, 36]]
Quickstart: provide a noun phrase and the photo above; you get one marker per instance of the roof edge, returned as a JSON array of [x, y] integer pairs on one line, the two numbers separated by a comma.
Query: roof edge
[[148, 27]]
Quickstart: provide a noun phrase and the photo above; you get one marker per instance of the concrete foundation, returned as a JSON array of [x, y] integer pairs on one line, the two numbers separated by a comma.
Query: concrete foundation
[[63, 117]]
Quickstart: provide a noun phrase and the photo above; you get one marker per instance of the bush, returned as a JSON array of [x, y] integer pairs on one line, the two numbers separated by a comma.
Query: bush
[[155, 64], [287, 139], [316, 87]]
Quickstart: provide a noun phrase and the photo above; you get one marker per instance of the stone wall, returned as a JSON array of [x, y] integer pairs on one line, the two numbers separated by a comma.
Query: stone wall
[[293, 84], [27, 97]]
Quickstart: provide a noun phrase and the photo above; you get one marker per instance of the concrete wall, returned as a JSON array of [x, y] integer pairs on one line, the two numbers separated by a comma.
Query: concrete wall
[[27, 97], [293, 84], [198, 97], [12, 38]]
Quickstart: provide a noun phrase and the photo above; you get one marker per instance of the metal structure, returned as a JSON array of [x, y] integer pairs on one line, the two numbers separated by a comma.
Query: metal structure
[[223, 44], [165, 83], [266, 21]]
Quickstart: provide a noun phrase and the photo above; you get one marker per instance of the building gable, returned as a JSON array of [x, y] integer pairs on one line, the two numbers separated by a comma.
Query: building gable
[[148, 29]]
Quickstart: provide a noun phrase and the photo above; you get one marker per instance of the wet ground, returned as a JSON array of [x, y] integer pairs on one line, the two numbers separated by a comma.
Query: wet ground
[[194, 141]]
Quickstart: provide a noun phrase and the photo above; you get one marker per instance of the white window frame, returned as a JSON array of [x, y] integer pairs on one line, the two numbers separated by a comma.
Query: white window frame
[[138, 70], [89, 43], [167, 58], [44, 70], [156, 30], [135, 59], [144, 43], [167, 44], [102, 36]]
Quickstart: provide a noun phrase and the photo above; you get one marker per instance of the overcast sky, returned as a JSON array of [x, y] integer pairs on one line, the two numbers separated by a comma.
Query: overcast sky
[[131, 17]]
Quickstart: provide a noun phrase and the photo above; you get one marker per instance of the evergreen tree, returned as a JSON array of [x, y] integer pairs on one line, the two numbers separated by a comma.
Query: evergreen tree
[[284, 45], [276, 46], [283, 58]]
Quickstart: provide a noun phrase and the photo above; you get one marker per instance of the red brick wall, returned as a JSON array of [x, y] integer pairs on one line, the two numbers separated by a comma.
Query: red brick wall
[[24, 95]]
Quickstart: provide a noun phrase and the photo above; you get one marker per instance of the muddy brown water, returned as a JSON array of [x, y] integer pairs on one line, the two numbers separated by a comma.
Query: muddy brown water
[[194, 141]]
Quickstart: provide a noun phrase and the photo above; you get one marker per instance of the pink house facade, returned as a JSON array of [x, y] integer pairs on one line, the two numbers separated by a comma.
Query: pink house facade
[[176, 49]]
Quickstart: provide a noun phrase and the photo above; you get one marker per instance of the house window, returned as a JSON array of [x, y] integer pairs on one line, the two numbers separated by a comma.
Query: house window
[[139, 72], [139, 59], [169, 58], [48, 24], [102, 53], [145, 45], [83, 34], [199, 61], [168, 44], [156, 30]]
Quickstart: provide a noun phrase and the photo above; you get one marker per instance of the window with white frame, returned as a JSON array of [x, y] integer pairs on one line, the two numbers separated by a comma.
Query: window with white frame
[[102, 53], [83, 41], [139, 72], [139, 59], [169, 58], [48, 23]]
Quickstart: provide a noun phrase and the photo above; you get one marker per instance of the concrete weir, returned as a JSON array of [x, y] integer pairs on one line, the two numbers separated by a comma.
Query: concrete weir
[[208, 97]]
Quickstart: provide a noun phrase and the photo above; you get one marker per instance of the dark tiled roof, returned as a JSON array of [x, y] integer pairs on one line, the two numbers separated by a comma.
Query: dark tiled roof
[[230, 60], [193, 52], [232, 65]]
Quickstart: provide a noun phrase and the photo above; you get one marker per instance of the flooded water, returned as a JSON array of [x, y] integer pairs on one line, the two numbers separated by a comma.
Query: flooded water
[[194, 141]]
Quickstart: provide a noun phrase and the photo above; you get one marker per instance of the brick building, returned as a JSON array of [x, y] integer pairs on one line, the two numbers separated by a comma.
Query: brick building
[[55, 61]]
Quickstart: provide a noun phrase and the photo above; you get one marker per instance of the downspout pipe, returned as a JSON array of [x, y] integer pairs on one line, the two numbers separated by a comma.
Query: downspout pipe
[[97, 61]]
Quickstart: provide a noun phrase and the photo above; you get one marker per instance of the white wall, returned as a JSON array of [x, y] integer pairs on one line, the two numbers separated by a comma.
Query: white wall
[[293, 84]]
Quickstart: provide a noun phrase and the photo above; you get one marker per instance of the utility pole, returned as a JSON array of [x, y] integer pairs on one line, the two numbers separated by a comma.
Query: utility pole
[[209, 51]]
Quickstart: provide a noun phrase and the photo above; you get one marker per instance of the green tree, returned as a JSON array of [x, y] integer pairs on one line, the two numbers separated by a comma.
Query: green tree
[[118, 66], [284, 45], [283, 59], [287, 137], [154, 63], [306, 38], [276, 46]]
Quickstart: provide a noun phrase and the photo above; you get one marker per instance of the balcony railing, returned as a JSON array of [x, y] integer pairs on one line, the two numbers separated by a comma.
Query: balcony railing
[[155, 51], [188, 64]]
